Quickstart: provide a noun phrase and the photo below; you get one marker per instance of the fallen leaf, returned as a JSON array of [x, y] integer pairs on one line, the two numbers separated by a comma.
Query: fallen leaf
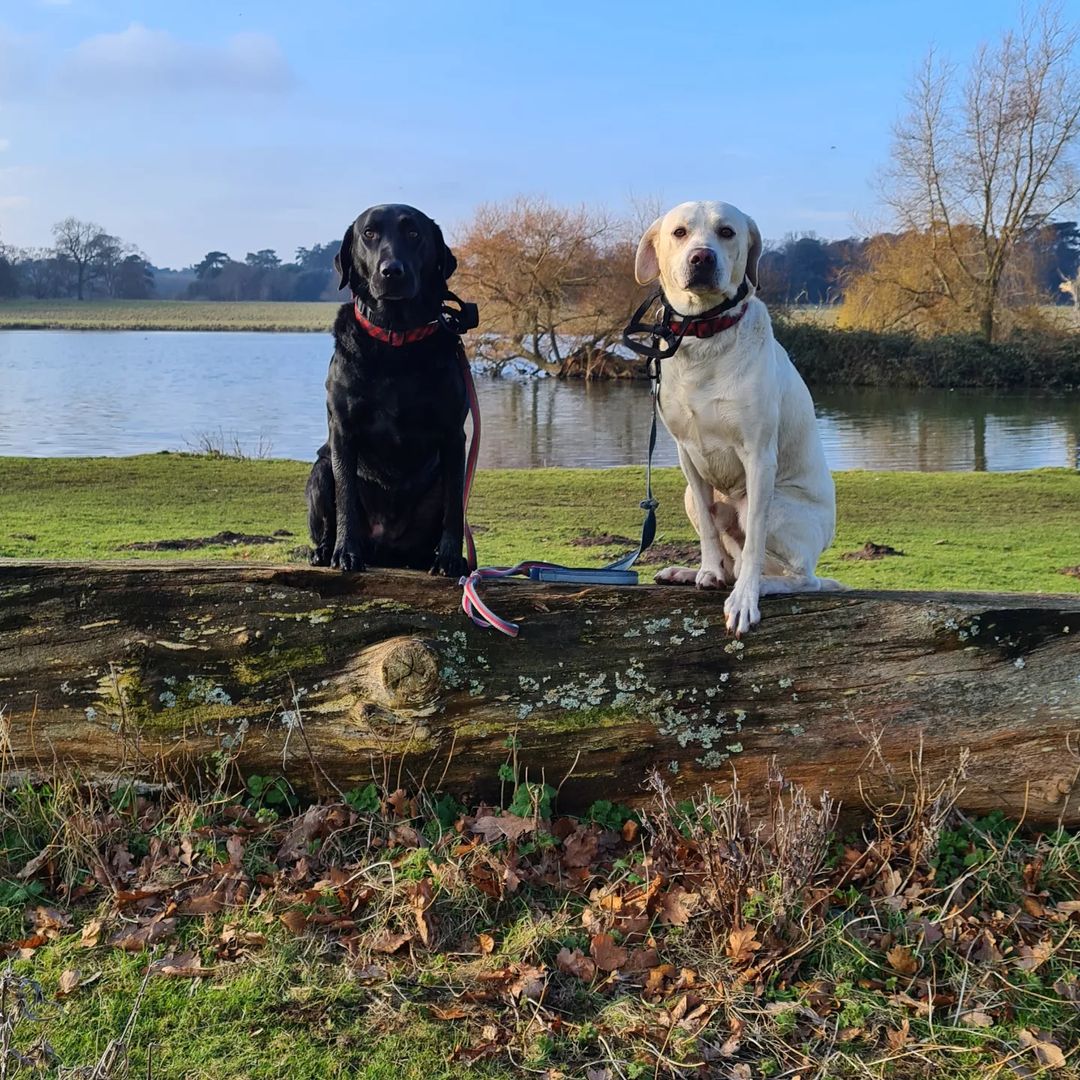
[[503, 827], [901, 959], [1033, 907], [654, 983], [581, 849], [135, 939], [91, 933], [576, 963], [207, 904], [742, 944], [897, 1037], [421, 899], [630, 830], [1033, 956], [69, 981], [530, 983], [387, 942], [295, 921], [486, 944], [184, 966], [608, 955], [49, 921], [451, 1012], [1050, 1055], [677, 906], [641, 960], [976, 1018]]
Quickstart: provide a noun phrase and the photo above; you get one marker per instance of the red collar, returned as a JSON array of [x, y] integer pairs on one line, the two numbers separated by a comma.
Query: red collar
[[394, 338], [706, 327]]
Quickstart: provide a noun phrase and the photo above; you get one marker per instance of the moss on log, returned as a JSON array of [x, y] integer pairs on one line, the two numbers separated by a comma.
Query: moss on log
[[155, 668]]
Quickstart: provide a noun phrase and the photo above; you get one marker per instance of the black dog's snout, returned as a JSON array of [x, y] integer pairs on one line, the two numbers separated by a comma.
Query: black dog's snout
[[392, 269], [702, 258]]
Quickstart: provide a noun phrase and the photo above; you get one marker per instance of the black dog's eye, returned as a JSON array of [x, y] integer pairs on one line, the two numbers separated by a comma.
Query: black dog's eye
[[413, 234], [369, 234], [680, 232], [726, 231]]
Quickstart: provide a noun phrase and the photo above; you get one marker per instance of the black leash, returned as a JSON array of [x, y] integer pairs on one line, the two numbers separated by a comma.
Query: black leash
[[660, 330], [650, 502]]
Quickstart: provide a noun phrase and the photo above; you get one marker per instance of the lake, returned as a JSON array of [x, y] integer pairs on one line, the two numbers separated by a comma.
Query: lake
[[75, 393]]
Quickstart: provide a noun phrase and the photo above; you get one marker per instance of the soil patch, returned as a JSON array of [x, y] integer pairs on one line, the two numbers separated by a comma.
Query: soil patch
[[870, 550], [221, 539]]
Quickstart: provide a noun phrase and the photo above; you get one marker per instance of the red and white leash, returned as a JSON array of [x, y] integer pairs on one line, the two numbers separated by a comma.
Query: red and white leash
[[471, 603]]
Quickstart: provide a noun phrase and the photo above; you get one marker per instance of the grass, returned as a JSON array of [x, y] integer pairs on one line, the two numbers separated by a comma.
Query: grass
[[997, 532], [394, 944], [165, 315], [926, 946]]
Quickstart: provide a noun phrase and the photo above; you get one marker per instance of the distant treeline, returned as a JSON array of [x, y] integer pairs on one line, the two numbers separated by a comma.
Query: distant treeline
[[88, 262]]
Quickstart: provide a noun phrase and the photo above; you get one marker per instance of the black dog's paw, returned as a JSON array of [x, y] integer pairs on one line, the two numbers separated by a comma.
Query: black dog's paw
[[347, 557], [448, 559], [320, 556]]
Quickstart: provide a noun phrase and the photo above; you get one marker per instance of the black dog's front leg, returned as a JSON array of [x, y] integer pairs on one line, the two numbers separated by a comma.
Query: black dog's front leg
[[348, 551], [448, 558]]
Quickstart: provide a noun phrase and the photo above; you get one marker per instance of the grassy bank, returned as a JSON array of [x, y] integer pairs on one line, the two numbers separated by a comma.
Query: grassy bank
[[825, 355], [989, 531], [164, 315]]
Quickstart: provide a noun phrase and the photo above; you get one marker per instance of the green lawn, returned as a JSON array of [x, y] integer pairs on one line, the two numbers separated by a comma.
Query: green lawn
[[988, 531], [164, 315]]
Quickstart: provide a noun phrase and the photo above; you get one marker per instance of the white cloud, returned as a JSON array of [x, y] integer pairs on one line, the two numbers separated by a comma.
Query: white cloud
[[13, 202], [5, 144], [140, 60]]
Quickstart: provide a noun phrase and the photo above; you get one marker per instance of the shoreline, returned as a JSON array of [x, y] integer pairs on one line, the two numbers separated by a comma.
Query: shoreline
[[824, 355]]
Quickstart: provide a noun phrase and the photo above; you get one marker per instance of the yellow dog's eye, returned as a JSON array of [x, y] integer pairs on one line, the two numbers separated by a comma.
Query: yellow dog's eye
[[680, 232], [726, 231]]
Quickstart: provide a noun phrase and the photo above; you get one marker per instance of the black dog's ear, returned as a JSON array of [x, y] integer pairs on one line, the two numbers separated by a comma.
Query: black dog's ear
[[343, 263], [444, 257]]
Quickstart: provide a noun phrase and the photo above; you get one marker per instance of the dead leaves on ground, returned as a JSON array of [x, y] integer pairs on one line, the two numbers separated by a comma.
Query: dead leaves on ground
[[400, 896]]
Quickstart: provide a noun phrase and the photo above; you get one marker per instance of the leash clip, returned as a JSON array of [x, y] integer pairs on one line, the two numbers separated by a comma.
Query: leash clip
[[460, 319]]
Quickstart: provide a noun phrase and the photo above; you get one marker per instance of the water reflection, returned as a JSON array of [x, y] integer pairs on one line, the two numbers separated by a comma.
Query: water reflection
[[67, 393]]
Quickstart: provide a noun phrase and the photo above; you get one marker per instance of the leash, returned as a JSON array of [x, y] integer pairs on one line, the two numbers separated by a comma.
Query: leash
[[670, 327], [617, 572]]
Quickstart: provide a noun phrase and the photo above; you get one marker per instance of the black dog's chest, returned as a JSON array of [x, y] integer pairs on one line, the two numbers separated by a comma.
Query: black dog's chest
[[400, 407]]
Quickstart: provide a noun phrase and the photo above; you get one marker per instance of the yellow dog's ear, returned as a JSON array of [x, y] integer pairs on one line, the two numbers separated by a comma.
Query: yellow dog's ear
[[647, 262], [754, 252]]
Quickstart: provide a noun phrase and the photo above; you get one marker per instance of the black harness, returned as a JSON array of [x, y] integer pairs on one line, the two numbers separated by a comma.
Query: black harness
[[661, 331]]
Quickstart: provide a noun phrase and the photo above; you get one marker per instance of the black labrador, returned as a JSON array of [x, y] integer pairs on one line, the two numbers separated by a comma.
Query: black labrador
[[386, 489]]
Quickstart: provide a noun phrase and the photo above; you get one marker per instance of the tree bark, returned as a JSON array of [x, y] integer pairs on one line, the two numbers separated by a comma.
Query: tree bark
[[153, 669]]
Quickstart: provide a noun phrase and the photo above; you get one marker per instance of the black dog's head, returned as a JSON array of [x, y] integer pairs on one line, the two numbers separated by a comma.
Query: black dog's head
[[394, 253]]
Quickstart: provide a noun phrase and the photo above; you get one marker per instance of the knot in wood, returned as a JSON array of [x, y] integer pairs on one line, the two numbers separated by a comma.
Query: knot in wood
[[405, 673]]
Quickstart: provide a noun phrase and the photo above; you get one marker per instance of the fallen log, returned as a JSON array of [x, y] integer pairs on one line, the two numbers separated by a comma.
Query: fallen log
[[334, 680]]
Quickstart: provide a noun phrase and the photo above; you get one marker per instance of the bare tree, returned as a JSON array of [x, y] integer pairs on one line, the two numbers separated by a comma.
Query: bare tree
[[76, 241], [530, 265], [979, 163]]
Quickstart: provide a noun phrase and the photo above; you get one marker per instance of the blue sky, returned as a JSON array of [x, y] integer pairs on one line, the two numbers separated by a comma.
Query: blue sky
[[235, 125]]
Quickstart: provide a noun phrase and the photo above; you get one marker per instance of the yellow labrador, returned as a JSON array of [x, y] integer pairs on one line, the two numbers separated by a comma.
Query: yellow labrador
[[758, 490]]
